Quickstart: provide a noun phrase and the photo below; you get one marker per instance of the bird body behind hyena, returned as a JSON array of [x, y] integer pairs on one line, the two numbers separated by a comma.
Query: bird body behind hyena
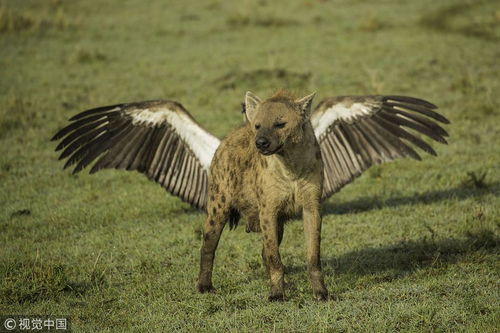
[[267, 171]]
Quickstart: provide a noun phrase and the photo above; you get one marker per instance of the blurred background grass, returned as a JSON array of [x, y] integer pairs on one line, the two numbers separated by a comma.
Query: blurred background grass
[[408, 246]]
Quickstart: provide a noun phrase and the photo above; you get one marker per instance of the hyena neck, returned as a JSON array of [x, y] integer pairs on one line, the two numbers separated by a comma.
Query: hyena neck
[[298, 160]]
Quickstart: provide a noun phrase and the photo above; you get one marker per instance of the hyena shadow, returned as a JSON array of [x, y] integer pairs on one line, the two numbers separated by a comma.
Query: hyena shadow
[[367, 203], [374, 265], [393, 261]]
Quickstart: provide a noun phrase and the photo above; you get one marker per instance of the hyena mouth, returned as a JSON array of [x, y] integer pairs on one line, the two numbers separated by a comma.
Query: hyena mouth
[[267, 152]]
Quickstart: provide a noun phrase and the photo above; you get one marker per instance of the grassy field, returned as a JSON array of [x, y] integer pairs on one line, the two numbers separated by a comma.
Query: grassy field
[[407, 247]]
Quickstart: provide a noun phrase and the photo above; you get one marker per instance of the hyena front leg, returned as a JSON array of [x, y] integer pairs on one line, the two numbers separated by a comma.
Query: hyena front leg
[[312, 230], [280, 238], [272, 235], [214, 224]]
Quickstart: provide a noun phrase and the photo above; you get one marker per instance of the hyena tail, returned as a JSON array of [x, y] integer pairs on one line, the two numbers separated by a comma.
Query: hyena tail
[[234, 218]]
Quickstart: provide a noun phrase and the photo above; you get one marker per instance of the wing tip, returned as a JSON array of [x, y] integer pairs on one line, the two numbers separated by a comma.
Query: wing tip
[[445, 120], [58, 135], [92, 111], [409, 99]]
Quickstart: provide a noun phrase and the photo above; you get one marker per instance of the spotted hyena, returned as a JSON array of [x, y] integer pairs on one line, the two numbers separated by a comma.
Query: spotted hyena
[[268, 171]]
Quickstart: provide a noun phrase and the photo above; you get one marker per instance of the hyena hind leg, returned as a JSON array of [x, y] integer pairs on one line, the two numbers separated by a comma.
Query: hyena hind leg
[[212, 230]]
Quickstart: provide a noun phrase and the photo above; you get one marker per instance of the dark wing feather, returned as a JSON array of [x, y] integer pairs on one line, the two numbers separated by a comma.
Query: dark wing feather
[[157, 138], [355, 132]]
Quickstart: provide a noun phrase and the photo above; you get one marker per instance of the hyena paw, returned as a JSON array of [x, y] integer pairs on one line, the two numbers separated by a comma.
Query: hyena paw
[[202, 288], [276, 298], [321, 295]]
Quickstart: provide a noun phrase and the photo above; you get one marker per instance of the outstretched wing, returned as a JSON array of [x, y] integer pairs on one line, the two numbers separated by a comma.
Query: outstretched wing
[[355, 132], [158, 138]]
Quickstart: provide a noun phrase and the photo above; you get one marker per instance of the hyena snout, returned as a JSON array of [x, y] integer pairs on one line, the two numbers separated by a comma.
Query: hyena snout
[[267, 145], [267, 142], [262, 143]]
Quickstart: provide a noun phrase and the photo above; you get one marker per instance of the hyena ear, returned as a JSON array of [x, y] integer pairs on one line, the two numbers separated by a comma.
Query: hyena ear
[[305, 103], [251, 103]]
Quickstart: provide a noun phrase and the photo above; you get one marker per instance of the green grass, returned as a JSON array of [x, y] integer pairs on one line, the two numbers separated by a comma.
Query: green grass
[[408, 246]]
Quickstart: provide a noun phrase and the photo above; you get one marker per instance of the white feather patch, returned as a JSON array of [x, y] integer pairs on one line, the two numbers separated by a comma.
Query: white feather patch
[[148, 117], [340, 111], [202, 143]]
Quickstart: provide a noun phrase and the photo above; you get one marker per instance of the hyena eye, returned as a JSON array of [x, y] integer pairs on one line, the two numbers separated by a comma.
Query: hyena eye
[[279, 125], [257, 127]]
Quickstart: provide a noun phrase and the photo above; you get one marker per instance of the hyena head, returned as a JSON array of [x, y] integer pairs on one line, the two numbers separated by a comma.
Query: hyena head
[[278, 122]]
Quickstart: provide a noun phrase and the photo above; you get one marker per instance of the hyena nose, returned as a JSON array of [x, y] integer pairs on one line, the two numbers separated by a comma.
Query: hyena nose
[[262, 143]]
